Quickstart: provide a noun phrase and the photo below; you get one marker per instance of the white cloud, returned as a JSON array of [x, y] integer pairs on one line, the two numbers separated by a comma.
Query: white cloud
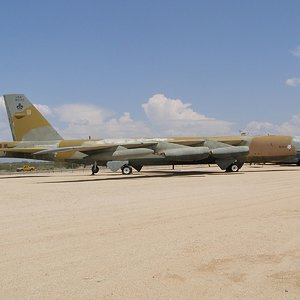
[[5, 134], [166, 117], [259, 128], [2, 105], [296, 52], [125, 126], [291, 127], [295, 81], [81, 114], [173, 117], [159, 108], [44, 109], [3, 115], [90, 120]]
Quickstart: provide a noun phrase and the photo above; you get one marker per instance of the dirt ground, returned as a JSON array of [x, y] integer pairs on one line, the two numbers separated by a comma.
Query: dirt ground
[[192, 233]]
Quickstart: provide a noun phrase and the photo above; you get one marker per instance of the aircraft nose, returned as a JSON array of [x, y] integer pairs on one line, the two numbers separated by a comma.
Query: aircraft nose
[[296, 144]]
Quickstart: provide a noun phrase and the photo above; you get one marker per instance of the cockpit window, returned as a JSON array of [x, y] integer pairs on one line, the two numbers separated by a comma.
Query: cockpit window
[[296, 139]]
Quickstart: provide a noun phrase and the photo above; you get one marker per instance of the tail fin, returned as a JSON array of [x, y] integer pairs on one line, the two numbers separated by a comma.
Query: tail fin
[[26, 122]]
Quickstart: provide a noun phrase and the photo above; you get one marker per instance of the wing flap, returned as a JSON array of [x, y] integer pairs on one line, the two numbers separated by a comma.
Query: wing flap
[[187, 142]]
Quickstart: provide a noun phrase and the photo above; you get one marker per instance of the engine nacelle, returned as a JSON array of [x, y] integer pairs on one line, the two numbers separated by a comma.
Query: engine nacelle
[[187, 153], [230, 152], [132, 153]]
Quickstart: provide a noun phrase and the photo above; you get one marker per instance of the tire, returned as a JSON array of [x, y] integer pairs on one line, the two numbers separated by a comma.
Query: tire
[[126, 170], [233, 168], [95, 169]]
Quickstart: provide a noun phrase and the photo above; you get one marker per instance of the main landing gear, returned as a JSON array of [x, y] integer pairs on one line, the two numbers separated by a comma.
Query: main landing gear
[[126, 170]]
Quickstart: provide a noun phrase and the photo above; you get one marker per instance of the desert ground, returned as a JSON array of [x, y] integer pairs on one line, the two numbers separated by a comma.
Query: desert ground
[[191, 233]]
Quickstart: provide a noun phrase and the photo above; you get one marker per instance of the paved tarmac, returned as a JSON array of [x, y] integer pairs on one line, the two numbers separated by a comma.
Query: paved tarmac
[[191, 233]]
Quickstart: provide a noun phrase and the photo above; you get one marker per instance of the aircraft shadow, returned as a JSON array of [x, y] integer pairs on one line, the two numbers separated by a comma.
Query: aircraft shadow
[[26, 176], [146, 174], [258, 170]]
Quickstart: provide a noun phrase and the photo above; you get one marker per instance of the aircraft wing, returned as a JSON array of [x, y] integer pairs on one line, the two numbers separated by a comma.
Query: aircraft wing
[[177, 149], [94, 148], [174, 149], [188, 141], [21, 150], [233, 141]]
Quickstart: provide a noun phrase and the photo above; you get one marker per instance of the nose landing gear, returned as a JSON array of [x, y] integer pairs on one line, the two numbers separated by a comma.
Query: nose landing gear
[[95, 168]]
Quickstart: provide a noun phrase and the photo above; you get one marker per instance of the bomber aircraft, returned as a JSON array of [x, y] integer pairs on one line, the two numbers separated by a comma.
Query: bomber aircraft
[[35, 138]]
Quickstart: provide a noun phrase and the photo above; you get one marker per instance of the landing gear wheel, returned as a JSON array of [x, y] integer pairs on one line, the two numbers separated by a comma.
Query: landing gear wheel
[[126, 170], [233, 168], [95, 169]]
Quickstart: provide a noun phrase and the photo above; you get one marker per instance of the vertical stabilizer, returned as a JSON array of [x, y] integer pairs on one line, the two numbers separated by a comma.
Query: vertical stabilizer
[[26, 122]]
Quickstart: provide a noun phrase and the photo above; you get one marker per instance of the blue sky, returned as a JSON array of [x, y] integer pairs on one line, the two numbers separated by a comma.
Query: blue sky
[[93, 64]]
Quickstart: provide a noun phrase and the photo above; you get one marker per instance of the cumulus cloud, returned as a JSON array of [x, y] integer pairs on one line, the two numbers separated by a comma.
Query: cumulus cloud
[[2, 105], [295, 81], [5, 134], [174, 117], [291, 127], [125, 126], [44, 109], [296, 52], [2, 109], [166, 117], [159, 108], [90, 120], [81, 114], [82, 121]]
